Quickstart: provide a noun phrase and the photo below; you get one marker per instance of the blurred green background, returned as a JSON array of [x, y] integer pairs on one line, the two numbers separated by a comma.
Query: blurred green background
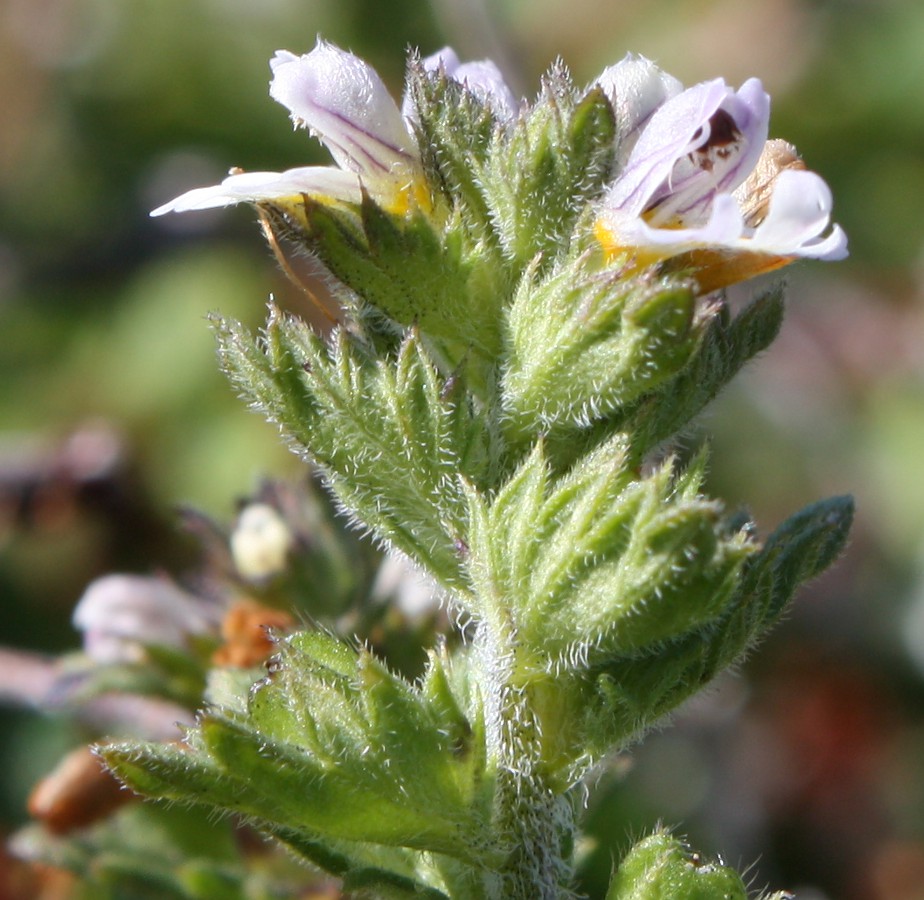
[[808, 764]]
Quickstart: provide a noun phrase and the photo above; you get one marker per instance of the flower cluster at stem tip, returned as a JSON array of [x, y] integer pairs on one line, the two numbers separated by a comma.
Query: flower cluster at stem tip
[[696, 183]]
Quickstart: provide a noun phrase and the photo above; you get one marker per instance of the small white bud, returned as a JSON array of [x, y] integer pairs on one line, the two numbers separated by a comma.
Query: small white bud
[[261, 542]]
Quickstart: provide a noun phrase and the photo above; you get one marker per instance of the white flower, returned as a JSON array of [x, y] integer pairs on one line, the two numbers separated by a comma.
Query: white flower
[[400, 582], [258, 187], [702, 184], [119, 614], [343, 102]]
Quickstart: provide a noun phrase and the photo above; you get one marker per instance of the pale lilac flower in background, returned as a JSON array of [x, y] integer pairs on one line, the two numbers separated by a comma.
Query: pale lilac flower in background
[[49, 684], [684, 189], [482, 77], [697, 145], [119, 614], [400, 582]]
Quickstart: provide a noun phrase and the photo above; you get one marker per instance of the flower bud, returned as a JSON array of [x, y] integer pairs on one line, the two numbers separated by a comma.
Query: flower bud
[[261, 542], [661, 866]]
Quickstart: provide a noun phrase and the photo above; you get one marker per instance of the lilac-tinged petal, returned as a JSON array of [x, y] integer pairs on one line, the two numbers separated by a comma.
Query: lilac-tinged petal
[[256, 187], [798, 215], [722, 153], [482, 77], [635, 87], [702, 186], [120, 613], [703, 142], [668, 137], [446, 59], [485, 80], [725, 226], [750, 110], [343, 101]]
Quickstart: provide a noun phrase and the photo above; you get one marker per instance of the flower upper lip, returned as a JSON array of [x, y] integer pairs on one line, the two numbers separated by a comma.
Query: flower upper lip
[[343, 102], [686, 188], [672, 156]]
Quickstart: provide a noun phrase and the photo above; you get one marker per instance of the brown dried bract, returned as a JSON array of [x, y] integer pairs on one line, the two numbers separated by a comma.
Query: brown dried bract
[[78, 792], [245, 632]]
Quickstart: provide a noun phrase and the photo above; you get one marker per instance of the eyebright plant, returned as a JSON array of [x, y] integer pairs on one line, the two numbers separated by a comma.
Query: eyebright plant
[[529, 319]]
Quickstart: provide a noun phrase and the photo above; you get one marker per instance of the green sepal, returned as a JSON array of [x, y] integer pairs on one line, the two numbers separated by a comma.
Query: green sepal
[[418, 268], [596, 564], [280, 787], [358, 718], [634, 693], [454, 133], [662, 867], [464, 727], [297, 789], [389, 435], [727, 344], [333, 747], [722, 345], [585, 342], [546, 167]]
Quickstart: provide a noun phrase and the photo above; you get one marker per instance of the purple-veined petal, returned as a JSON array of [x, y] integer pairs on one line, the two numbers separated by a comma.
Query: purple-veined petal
[[703, 142], [635, 87], [666, 138], [255, 187], [342, 100], [798, 215]]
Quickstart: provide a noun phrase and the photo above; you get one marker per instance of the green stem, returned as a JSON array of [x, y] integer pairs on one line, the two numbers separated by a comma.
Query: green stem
[[530, 819]]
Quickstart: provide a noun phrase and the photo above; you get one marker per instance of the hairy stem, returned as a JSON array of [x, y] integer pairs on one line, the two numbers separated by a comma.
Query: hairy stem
[[533, 822]]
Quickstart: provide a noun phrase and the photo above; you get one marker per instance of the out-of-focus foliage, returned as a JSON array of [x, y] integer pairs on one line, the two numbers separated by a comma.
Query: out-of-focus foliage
[[112, 410]]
